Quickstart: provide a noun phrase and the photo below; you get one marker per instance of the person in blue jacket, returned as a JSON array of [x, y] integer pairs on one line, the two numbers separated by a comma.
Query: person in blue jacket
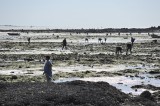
[[48, 69]]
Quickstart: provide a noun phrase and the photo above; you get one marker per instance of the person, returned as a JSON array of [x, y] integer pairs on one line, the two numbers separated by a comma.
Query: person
[[129, 47], [132, 40], [86, 39], [64, 44], [48, 69], [118, 50], [105, 39], [29, 40], [99, 40], [154, 41]]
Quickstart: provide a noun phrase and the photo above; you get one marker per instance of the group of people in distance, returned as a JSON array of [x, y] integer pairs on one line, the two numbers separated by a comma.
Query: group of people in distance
[[129, 47], [48, 64], [99, 40], [64, 43]]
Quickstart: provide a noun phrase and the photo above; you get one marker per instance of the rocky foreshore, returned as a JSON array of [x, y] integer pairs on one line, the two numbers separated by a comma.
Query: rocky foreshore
[[21, 69]]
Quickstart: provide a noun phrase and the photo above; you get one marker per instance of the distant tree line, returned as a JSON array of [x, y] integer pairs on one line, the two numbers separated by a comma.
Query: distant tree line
[[105, 30]]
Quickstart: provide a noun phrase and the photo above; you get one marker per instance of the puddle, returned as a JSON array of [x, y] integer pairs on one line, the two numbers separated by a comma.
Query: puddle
[[38, 52], [107, 68], [60, 80], [21, 72], [97, 68]]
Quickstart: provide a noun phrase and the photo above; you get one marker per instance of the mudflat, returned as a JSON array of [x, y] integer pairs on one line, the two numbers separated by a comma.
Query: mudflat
[[21, 69]]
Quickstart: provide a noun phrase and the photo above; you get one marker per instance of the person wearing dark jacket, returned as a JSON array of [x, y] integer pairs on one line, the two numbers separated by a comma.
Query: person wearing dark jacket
[[132, 40], [64, 44]]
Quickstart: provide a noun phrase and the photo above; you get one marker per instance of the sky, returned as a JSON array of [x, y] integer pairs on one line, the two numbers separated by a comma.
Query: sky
[[81, 13]]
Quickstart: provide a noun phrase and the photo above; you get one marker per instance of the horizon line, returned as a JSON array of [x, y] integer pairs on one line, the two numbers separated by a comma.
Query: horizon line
[[53, 27]]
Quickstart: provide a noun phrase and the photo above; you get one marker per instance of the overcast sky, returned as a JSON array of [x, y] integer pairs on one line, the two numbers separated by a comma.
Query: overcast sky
[[81, 13]]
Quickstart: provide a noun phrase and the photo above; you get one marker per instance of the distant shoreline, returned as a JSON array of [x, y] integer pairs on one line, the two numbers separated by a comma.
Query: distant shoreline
[[43, 29]]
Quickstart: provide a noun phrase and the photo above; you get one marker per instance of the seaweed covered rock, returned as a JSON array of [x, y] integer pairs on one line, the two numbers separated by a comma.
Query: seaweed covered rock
[[73, 93]]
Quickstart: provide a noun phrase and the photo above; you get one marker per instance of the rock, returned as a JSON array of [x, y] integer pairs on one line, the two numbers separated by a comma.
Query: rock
[[157, 71], [28, 59], [120, 83], [27, 66], [29, 73], [14, 77], [146, 94], [20, 67], [151, 87], [158, 76], [87, 72], [137, 86], [2, 79]]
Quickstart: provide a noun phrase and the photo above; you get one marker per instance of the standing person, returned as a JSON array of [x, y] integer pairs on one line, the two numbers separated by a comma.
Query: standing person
[[48, 69], [132, 40], [64, 44], [29, 40], [105, 39]]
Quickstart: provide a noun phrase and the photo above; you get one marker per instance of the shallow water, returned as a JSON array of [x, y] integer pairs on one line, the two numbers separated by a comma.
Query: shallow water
[[93, 38], [24, 72], [120, 82]]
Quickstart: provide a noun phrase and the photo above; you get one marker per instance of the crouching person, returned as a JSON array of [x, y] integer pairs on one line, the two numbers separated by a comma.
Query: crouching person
[[129, 48], [154, 41], [48, 69], [118, 50]]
